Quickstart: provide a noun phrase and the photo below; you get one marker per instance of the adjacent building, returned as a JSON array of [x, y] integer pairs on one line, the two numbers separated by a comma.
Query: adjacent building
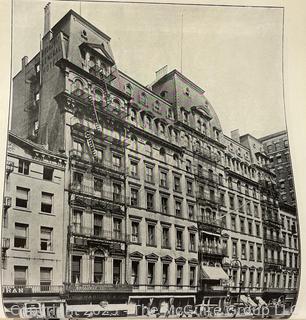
[[158, 205], [33, 250], [277, 148]]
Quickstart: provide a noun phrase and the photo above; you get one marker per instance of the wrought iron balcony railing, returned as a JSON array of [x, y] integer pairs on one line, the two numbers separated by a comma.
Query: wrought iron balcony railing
[[211, 249], [105, 195], [274, 261], [208, 198], [97, 232], [207, 154], [210, 221], [275, 238]]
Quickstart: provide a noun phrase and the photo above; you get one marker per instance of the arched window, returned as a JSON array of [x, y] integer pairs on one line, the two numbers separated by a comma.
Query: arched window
[[147, 122], [238, 185], [148, 148], [162, 153], [185, 117], [98, 96], [164, 94], [156, 105], [143, 98], [116, 104], [78, 86], [204, 128], [176, 159], [162, 129], [134, 142], [133, 115], [199, 125], [128, 89]]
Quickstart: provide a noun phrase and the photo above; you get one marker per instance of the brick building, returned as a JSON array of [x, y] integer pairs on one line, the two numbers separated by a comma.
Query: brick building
[[158, 202]]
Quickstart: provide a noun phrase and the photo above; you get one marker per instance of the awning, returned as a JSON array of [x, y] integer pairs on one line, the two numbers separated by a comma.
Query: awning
[[95, 307], [248, 301], [214, 234], [214, 273]]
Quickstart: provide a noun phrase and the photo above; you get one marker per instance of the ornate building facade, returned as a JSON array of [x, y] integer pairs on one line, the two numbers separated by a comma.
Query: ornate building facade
[[158, 203]]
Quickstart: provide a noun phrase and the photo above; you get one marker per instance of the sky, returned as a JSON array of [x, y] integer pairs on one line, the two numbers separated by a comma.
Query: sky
[[233, 53]]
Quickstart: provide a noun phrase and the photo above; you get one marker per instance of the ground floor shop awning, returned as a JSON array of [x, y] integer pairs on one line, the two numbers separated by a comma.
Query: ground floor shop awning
[[213, 273]]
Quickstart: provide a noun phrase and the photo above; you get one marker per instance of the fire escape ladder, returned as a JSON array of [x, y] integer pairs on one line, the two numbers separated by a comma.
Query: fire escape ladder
[[91, 144]]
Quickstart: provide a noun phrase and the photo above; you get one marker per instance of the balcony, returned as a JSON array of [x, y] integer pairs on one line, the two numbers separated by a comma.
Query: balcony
[[207, 198], [209, 177], [97, 287], [273, 261], [98, 233], [99, 136], [166, 288], [98, 163], [210, 221], [269, 219], [15, 290], [206, 154], [101, 194], [275, 238], [212, 250]]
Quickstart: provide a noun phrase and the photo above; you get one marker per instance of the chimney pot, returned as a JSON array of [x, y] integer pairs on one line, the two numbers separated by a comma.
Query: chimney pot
[[47, 18]]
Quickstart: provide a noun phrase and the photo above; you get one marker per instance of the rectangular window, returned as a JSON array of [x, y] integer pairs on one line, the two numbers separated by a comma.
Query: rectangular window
[[163, 179], [258, 253], [20, 275], [177, 184], [76, 269], [179, 275], [189, 187], [188, 165], [23, 167], [150, 201], [233, 223], [77, 216], [151, 234], [98, 225], [250, 227], [46, 202], [45, 278], [243, 251], [151, 267], [165, 279], [117, 229], [149, 174], [257, 230], [179, 240], [135, 276], [134, 197], [178, 208], [240, 205], [134, 169], [117, 192], [116, 271], [164, 204], [248, 208], [192, 276], [116, 161], [46, 238], [222, 199], [98, 270], [192, 244], [98, 184], [77, 178], [22, 197], [165, 239], [252, 252], [234, 250], [135, 231], [242, 228], [232, 202], [48, 173], [21, 235], [191, 211]]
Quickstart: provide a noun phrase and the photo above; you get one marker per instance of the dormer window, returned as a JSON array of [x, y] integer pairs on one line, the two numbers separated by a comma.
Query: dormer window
[[143, 98], [170, 114], [187, 92], [185, 117], [133, 115], [156, 106], [164, 94], [128, 89]]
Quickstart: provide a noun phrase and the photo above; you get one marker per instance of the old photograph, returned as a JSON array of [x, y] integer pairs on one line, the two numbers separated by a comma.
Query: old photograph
[[148, 171]]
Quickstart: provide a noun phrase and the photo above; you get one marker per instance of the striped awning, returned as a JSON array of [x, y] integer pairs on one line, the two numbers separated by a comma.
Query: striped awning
[[213, 273]]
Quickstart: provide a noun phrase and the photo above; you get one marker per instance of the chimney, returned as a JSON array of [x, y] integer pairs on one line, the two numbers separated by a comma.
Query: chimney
[[24, 61], [161, 72], [47, 18], [235, 135]]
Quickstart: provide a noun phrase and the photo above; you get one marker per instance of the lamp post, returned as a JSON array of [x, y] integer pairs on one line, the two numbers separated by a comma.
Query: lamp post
[[235, 260]]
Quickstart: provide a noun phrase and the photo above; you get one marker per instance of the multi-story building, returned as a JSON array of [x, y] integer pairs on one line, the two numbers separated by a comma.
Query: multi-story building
[[277, 148], [33, 253], [160, 206]]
